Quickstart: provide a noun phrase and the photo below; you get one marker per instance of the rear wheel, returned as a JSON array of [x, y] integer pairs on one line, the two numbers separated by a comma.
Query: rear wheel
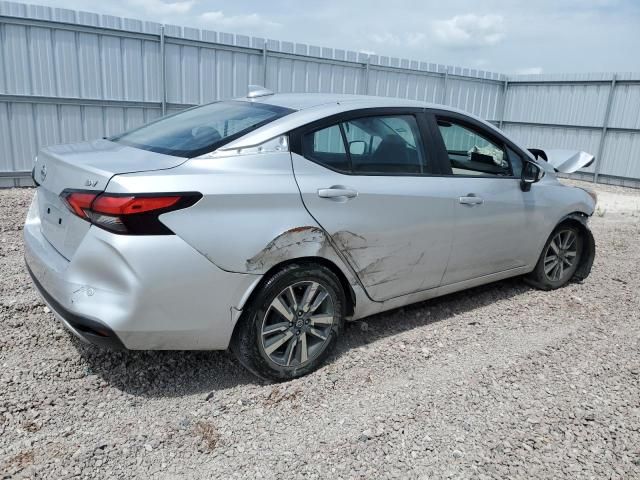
[[292, 324], [559, 260]]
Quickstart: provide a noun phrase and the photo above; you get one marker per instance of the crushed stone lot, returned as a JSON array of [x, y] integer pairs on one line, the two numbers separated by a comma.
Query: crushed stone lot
[[502, 381]]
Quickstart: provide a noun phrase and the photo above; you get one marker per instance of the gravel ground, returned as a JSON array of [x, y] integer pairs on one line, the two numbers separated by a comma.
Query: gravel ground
[[501, 381]]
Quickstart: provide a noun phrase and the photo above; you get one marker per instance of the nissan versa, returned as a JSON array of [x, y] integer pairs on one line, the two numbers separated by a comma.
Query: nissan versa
[[264, 223]]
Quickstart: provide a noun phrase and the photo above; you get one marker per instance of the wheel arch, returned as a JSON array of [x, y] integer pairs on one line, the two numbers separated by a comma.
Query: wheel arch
[[349, 292]]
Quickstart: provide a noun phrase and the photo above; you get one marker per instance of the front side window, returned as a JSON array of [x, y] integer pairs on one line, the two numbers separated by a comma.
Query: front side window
[[201, 129], [369, 145], [471, 153]]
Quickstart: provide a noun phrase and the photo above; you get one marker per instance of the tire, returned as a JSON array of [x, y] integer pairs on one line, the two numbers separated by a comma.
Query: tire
[[278, 342], [559, 259]]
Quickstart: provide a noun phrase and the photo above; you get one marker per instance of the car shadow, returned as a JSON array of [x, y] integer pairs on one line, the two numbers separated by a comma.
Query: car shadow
[[179, 373], [169, 373], [392, 322]]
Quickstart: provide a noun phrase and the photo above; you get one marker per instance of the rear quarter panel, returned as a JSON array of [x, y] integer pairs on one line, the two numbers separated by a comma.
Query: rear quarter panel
[[251, 216]]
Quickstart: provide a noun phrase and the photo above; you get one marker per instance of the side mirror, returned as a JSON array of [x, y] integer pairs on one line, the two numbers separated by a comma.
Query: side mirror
[[531, 173], [357, 147]]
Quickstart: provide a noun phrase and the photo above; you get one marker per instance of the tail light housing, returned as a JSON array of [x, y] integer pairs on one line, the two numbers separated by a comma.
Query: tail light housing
[[127, 214]]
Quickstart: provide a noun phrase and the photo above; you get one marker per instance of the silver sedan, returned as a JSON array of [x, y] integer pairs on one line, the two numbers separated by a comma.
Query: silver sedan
[[264, 223]]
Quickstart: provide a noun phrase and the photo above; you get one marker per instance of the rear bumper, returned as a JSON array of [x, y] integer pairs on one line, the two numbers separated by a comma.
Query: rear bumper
[[87, 330], [137, 292]]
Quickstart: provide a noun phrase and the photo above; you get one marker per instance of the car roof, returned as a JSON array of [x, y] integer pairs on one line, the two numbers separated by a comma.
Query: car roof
[[303, 101], [309, 107]]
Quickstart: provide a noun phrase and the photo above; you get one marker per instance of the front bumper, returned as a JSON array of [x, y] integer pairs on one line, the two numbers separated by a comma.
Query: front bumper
[[137, 292]]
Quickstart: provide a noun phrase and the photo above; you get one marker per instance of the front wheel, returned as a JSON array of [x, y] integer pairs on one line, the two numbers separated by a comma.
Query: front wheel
[[292, 323], [559, 260]]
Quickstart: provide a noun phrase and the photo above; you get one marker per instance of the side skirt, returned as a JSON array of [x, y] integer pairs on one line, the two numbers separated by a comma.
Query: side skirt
[[376, 307]]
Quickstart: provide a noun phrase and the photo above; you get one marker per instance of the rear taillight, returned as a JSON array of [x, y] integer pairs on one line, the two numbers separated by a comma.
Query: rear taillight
[[127, 214], [79, 202]]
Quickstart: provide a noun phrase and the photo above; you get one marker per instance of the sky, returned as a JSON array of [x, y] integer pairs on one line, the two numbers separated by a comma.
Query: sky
[[513, 37]]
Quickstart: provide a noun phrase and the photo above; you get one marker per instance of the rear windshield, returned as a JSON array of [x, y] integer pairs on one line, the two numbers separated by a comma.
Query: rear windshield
[[202, 129]]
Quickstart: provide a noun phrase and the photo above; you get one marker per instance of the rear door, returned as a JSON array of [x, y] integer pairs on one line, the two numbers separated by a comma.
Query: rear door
[[492, 213], [365, 176]]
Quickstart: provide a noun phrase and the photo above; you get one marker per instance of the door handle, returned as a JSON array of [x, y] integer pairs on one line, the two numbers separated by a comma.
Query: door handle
[[337, 192], [471, 199]]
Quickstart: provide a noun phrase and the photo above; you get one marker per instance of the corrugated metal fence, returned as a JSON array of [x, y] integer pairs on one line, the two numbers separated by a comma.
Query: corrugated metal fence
[[597, 113], [70, 76]]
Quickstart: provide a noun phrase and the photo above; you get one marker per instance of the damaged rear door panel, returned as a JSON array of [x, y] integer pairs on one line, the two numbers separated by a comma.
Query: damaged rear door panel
[[394, 229], [397, 243]]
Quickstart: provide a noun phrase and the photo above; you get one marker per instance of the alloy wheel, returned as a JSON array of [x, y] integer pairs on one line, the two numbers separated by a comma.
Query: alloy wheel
[[561, 255], [297, 324]]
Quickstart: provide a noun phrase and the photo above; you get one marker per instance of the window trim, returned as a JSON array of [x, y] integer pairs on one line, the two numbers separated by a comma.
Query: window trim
[[522, 160], [428, 154], [441, 151], [345, 145]]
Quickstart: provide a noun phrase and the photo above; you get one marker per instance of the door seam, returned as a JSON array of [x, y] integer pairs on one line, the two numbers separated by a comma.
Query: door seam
[[337, 251]]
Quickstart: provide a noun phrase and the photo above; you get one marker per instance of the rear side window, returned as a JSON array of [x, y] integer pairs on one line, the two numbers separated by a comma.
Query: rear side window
[[326, 147], [368, 145], [201, 129]]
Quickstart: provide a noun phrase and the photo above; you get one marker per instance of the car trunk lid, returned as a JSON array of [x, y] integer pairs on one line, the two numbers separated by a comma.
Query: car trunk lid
[[84, 166]]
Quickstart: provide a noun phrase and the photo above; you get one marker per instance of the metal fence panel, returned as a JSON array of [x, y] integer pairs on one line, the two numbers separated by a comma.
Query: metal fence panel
[[23, 135], [480, 99], [557, 104], [555, 137], [621, 155], [6, 145], [68, 76], [625, 111], [598, 113]]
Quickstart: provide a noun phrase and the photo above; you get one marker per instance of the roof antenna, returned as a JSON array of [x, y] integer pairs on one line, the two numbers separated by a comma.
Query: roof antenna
[[256, 91]]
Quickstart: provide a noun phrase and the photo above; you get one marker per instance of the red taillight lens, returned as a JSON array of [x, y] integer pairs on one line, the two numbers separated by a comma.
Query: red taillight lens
[[127, 214], [129, 205], [79, 202]]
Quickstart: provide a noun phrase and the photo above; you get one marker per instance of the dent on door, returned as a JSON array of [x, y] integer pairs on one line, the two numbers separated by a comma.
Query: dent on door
[[374, 265], [312, 241], [395, 231]]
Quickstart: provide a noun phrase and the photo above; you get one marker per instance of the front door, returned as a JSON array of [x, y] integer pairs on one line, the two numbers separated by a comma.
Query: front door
[[365, 178], [492, 213]]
